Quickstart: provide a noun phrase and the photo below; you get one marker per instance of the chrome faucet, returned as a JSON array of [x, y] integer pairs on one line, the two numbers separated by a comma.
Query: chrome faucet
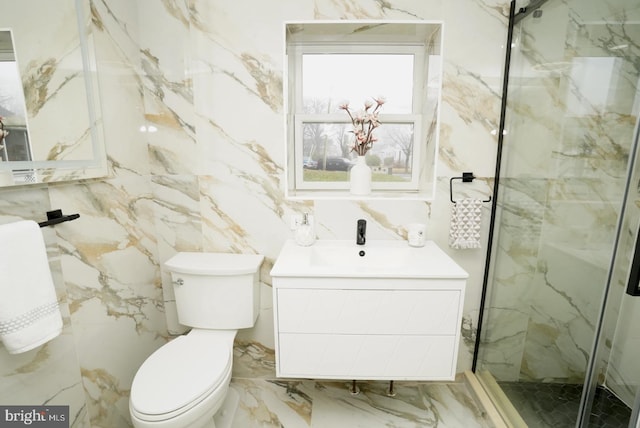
[[361, 234]]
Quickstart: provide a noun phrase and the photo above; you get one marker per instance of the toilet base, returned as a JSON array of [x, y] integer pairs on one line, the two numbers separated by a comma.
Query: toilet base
[[224, 416]]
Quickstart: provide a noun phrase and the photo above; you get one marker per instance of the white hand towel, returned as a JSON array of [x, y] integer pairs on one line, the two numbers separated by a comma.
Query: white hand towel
[[466, 219], [29, 312]]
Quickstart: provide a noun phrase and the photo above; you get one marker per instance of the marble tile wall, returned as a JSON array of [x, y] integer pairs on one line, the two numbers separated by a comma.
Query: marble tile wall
[[203, 79]]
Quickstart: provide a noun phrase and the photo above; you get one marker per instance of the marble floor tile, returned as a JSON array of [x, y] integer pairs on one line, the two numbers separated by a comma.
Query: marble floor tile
[[330, 404]]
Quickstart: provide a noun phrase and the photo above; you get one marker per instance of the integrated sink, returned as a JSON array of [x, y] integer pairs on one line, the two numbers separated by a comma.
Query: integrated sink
[[344, 254], [377, 258]]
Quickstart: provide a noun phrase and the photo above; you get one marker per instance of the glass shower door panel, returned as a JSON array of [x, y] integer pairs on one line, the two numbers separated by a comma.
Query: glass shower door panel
[[561, 185], [618, 351], [571, 109]]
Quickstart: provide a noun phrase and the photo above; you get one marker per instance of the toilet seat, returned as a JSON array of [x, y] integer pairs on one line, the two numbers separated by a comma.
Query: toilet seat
[[180, 375]]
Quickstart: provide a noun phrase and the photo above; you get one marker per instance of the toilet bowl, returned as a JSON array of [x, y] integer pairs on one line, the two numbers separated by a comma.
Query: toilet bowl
[[185, 382]]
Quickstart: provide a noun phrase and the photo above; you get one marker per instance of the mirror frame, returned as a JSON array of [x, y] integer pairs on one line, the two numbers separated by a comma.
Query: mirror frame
[[53, 171]]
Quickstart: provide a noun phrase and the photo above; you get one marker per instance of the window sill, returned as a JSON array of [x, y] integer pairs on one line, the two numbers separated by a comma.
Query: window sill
[[346, 195]]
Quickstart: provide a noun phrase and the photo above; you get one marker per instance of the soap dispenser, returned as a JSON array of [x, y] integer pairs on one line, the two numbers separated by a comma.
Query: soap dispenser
[[304, 234]]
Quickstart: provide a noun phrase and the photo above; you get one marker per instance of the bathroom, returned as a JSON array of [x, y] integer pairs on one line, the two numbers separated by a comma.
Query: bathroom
[[192, 102]]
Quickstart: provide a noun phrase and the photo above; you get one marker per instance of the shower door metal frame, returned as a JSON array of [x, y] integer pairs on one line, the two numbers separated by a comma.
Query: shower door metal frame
[[496, 182]]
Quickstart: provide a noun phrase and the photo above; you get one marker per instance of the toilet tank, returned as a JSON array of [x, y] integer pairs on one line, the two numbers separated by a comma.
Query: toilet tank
[[218, 291]]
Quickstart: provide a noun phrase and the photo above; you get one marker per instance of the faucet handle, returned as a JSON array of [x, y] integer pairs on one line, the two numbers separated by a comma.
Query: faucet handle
[[361, 232]]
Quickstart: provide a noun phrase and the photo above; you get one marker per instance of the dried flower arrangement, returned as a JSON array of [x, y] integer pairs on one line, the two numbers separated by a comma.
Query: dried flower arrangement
[[364, 123]]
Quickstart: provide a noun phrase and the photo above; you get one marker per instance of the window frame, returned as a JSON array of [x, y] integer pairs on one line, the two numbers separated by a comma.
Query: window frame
[[295, 52]]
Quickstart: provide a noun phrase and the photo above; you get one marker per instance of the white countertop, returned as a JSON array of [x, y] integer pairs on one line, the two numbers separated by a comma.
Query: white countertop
[[382, 259]]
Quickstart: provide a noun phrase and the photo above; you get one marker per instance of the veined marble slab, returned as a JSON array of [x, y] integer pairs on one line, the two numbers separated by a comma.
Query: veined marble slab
[[307, 403]]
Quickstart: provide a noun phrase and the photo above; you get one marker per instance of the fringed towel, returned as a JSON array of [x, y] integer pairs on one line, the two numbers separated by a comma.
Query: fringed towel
[[29, 312], [466, 218]]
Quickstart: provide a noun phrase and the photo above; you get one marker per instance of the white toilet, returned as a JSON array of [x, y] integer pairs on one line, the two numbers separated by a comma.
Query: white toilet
[[186, 381]]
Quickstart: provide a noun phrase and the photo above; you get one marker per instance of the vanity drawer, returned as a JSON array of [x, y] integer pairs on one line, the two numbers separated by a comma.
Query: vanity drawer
[[335, 356], [403, 312]]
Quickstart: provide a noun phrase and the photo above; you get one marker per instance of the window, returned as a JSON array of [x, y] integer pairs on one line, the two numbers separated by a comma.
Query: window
[[333, 63]]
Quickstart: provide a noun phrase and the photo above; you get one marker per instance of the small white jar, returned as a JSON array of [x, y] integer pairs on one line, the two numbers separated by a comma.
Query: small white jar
[[417, 234]]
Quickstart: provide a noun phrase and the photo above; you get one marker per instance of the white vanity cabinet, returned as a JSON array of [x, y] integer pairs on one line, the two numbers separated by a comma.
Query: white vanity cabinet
[[405, 329], [371, 323]]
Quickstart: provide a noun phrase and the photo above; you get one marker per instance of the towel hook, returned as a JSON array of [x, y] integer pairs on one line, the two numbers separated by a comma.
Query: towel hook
[[467, 177], [55, 217]]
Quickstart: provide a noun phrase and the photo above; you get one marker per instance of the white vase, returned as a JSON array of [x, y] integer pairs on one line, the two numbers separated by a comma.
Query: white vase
[[360, 177]]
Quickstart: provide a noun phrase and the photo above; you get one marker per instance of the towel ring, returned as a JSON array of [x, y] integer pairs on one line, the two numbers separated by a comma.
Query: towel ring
[[467, 177]]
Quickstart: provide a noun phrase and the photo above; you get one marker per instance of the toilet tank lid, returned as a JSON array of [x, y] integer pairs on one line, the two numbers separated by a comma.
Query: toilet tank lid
[[214, 263]]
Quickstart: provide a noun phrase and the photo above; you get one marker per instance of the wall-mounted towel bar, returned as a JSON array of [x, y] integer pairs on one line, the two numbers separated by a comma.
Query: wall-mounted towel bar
[[55, 217], [467, 177]]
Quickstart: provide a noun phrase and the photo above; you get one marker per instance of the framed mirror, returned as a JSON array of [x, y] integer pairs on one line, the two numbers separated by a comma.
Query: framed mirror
[[49, 100]]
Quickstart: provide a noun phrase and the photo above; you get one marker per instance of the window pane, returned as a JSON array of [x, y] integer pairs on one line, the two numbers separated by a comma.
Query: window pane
[[392, 154], [326, 148], [328, 80], [327, 154]]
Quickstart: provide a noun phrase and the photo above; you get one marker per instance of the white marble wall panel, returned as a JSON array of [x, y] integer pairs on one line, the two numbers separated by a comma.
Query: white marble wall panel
[[109, 259], [565, 304], [471, 86], [521, 215], [121, 86], [49, 374], [167, 86], [178, 228]]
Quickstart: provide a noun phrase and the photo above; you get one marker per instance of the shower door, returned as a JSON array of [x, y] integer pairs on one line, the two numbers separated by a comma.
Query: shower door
[[558, 343]]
